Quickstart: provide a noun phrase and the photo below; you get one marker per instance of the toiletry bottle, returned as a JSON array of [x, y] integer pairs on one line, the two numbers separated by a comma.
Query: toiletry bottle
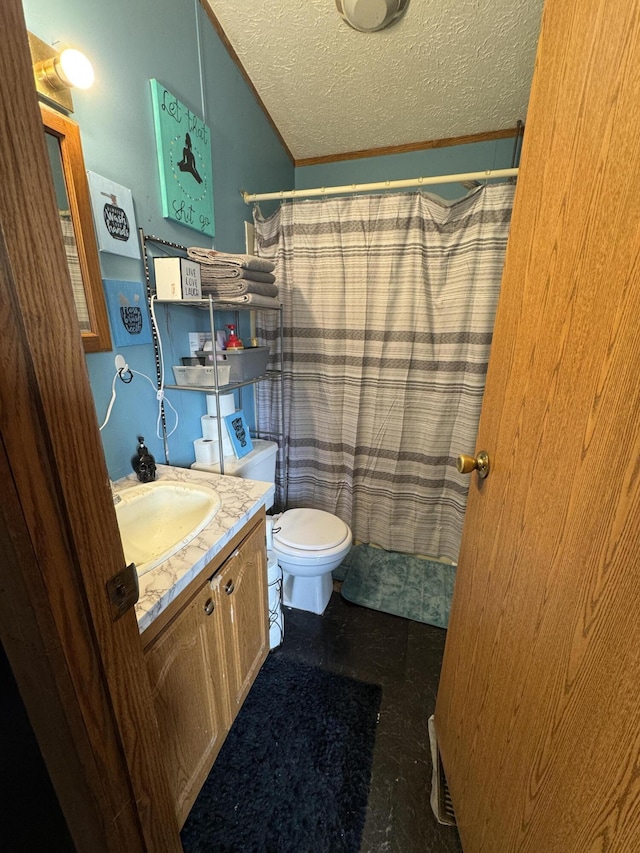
[[143, 463], [233, 341]]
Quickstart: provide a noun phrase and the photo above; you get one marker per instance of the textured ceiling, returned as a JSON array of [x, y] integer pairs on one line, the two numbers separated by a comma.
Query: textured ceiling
[[447, 68]]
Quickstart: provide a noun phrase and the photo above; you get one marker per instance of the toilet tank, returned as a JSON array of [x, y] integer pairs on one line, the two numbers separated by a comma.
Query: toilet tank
[[259, 464]]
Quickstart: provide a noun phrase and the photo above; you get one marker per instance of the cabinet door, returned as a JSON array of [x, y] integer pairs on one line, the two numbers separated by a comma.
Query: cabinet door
[[186, 670], [241, 587]]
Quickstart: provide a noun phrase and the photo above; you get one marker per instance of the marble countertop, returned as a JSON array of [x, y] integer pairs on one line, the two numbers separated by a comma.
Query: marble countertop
[[241, 500]]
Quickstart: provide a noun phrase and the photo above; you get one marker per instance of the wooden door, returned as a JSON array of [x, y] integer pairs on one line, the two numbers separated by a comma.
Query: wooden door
[[241, 589], [538, 712], [187, 670], [81, 675]]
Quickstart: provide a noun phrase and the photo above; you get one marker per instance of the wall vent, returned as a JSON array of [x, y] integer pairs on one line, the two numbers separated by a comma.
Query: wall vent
[[440, 796]]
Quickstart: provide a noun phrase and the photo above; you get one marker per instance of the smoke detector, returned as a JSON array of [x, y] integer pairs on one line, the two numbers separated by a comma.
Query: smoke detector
[[367, 16]]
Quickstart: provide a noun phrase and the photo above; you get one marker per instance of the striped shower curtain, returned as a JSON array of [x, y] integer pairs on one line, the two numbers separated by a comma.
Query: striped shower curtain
[[389, 302]]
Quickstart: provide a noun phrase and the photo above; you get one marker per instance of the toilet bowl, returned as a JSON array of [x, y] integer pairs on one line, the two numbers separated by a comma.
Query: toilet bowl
[[308, 543]]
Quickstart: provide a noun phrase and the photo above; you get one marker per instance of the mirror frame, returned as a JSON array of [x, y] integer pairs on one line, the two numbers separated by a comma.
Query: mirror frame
[[68, 134]]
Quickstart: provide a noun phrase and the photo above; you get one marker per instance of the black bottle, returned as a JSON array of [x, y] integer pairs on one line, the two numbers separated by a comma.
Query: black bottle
[[143, 462]]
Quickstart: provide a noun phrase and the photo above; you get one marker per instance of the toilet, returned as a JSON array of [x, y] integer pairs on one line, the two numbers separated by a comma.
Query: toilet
[[308, 543]]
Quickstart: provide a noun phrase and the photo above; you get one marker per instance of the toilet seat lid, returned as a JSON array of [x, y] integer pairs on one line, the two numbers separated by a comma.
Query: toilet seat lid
[[310, 529]]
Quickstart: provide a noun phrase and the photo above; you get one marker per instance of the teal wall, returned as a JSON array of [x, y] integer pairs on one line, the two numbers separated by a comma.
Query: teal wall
[[129, 43], [450, 160]]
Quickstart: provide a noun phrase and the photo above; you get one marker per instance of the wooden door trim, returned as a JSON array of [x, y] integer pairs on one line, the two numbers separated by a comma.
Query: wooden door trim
[[37, 655], [57, 523]]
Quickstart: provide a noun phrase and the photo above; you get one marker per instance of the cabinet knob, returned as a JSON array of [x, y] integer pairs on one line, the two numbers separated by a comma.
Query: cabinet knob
[[209, 606], [229, 587]]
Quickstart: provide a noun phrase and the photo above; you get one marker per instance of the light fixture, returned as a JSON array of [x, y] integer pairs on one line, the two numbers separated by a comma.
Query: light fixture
[[56, 72], [368, 16]]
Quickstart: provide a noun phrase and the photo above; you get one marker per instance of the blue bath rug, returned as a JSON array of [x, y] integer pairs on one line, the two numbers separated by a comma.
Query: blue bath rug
[[401, 584], [293, 774]]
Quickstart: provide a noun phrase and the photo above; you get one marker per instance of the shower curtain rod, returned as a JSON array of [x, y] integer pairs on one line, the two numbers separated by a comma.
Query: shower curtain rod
[[381, 185]]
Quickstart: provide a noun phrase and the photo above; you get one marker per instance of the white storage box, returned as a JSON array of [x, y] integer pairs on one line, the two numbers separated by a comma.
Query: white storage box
[[198, 341], [200, 375], [177, 278]]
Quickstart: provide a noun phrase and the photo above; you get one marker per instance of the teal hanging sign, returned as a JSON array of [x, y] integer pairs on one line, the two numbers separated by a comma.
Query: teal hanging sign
[[183, 142]]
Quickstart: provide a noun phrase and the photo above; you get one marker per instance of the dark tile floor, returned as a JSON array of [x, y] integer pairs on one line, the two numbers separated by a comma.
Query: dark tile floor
[[404, 657]]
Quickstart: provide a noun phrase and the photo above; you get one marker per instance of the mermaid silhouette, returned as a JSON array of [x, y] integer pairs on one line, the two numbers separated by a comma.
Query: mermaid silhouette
[[188, 162]]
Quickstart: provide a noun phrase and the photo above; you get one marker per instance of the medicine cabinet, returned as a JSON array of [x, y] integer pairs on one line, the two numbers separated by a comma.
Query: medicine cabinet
[[62, 137]]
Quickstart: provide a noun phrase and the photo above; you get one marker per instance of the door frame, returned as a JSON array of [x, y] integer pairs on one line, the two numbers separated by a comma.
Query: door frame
[[80, 674]]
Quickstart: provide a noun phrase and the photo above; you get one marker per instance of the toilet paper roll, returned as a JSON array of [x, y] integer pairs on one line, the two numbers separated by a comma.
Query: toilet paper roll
[[210, 432], [207, 451], [227, 405]]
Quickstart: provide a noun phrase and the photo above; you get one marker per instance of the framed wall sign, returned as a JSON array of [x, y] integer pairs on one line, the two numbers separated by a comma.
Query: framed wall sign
[[113, 217], [128, 314], [183, 143], [239, 433]]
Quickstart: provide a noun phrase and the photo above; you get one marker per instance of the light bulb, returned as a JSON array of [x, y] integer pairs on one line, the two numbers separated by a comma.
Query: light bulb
[[370, 14], [75, 68]]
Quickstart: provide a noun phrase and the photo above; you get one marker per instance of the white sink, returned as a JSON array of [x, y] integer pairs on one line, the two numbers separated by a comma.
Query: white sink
[[157, 519]]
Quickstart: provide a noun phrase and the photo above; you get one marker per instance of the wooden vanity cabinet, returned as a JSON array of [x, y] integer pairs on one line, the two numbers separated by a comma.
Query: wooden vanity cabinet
[[241, 589], [203, 661], [188, 684]]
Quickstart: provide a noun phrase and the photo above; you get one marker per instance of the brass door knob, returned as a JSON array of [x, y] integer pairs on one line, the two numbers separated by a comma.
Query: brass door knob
[[466, 464]]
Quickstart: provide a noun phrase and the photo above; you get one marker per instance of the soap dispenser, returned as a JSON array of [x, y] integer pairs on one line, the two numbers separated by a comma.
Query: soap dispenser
[[233, 341], [143, 462]]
